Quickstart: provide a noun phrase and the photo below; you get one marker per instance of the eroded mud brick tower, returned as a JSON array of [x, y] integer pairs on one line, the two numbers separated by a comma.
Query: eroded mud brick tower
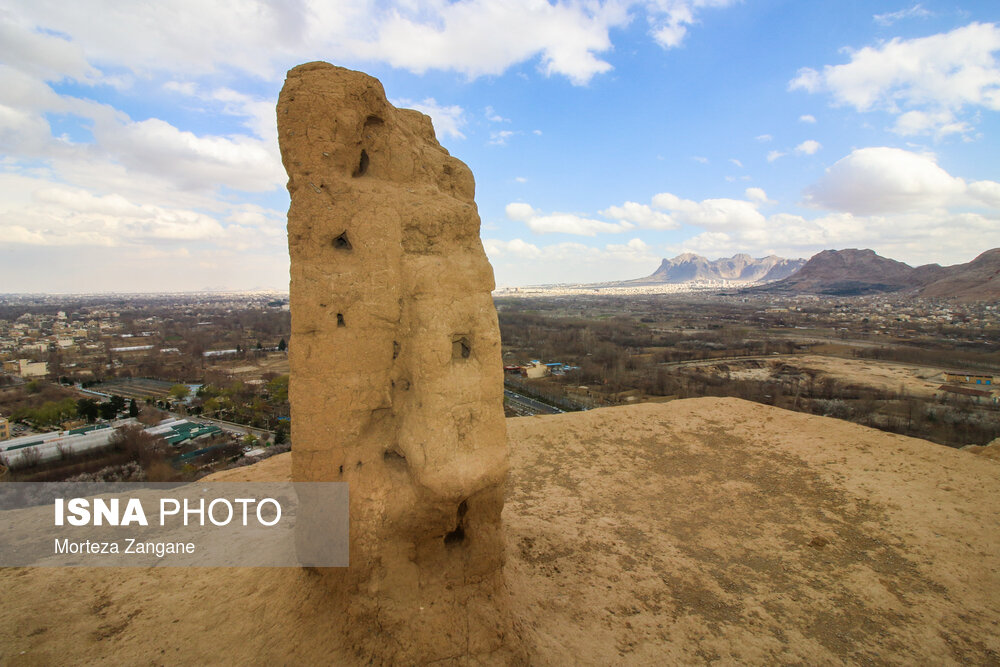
[[396, 384]]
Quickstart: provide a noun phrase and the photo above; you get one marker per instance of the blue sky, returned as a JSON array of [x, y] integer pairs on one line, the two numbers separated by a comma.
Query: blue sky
[[138, 150]]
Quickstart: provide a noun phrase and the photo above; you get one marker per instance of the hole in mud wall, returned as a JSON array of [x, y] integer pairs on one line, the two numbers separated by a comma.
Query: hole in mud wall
[[457, 536], [460, 348], [373, 121], [362, 164], [341, 242], [395, 350], [340, 320]]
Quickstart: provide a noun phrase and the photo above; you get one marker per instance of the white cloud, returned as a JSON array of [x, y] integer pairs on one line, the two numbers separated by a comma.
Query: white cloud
[[518, 262], [259, 37], [699, 158], [158, 148], [669, 19], [757, 196], [807, 118], [42, 55], [936, 77], [640, 215], [499, 138], [714, 214], [494, 117], [188, 88], [562, 223], [888, 18], [808, 147], [939, 123], [774, 155], [985, 192], [515, 247], [520, 179], [37, 212], [447, 119], [886, 180], [736, 162], [764, 138]]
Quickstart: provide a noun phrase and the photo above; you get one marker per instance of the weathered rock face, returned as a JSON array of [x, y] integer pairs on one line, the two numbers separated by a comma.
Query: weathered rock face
[[396, 383]]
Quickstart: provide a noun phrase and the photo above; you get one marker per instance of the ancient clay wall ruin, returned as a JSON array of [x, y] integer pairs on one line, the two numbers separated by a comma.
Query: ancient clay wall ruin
[[396, 383]]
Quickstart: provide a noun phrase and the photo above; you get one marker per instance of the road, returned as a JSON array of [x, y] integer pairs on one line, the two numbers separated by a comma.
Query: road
[[528, 406]]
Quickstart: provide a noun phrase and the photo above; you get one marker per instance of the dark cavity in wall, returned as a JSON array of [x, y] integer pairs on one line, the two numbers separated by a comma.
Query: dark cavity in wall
[[460, 348], [362, 164], [457, 536], [342, 242]]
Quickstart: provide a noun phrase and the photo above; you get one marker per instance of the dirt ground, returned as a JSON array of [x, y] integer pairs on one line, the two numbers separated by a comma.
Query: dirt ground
[[914, 379], [276, 363], [697, 531]]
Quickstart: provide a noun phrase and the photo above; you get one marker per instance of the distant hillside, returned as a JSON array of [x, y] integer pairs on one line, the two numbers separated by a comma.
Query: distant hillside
[[854, 272], [689, 267], [978, 279]]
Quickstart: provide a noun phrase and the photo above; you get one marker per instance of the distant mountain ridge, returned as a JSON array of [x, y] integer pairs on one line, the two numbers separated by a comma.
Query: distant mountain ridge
[[853, 272], [689, 268]]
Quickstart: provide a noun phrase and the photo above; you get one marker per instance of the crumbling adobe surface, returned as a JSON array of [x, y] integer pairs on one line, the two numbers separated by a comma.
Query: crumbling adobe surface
[[396, 383]]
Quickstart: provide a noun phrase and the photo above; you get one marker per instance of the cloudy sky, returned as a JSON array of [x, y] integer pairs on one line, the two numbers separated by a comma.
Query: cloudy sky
[[138, 149]]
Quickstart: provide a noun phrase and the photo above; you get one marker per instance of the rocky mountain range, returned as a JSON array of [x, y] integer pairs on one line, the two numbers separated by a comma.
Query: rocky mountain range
[[688, 267], [854, 272]]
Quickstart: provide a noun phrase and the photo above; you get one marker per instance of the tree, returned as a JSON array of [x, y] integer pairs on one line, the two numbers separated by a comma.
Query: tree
[[87, 409], [278, 389], [179, 391], [133, 408], [118, 402], [140, 446], [107, 410], [282, 346], [279, 434]]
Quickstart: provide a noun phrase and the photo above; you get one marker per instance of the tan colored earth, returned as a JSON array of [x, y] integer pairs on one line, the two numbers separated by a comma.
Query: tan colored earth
[[695, 531], [913, 379]]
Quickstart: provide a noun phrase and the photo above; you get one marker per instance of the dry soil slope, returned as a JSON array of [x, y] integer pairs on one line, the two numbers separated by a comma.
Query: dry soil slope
[[683, 532]]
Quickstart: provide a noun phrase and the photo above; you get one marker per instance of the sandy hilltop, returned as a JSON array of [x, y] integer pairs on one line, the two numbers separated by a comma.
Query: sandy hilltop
[[694, 531]]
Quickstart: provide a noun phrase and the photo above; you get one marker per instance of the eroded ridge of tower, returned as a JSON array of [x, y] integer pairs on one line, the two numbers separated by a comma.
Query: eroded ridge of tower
[[396, 375]]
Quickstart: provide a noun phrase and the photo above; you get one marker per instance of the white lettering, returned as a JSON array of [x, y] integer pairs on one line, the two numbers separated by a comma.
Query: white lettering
[[200, 512], [277, 510], [163, 508], [229, 517], [134, 513], [80, 508], [105, 510]]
